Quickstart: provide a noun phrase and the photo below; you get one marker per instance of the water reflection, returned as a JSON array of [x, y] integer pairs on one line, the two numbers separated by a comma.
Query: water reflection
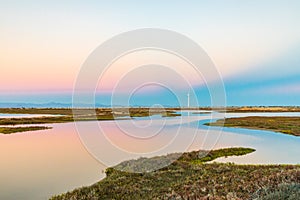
[[39, 164]]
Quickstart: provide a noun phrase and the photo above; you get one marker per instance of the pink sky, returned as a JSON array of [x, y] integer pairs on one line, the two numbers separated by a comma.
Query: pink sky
[[44, 45]]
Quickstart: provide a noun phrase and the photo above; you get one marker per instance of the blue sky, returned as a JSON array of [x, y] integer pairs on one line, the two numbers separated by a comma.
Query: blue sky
[[254, 44]]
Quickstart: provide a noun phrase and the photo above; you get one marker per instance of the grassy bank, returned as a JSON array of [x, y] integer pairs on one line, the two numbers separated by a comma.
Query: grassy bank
[[190, 177], [286, 125], [9, 130], [69, 111], [69, 115], [51, 120], [263, 109]]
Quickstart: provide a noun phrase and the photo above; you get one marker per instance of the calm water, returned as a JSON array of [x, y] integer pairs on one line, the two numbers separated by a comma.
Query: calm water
[[39, 164]]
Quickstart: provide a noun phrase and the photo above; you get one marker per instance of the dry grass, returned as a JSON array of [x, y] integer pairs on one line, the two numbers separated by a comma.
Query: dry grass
[[9, 130], [187, 178], [286, 125]]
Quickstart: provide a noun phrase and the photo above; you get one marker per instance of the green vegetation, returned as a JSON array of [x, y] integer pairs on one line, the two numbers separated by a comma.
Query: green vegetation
[[52, 111], [195, 157], [9, 130], [285, 191], [212, 155], [49, 120], [63, 115], [243, 109], [170, 114], [262, 109], [187, 178], [201, 113], [286, 125], [69, 115], [68, 111]]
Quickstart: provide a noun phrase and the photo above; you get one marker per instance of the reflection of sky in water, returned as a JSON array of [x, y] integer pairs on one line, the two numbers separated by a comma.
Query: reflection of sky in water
[[39, 164]]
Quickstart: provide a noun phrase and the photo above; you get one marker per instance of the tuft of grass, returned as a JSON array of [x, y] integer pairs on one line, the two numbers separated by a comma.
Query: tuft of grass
[[171, 114], [287, 191], [9, 130], [212, 155]]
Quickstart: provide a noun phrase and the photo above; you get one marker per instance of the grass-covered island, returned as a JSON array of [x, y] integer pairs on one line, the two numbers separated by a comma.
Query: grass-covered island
[[62, 115], [286, 125], [9, 130], [191, 177], [250, 109]]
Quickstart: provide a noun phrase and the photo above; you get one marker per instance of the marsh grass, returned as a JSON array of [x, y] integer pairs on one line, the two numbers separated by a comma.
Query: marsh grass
[[286, 191], [186, 178], [69, 115], [286, 125], [9, 130]]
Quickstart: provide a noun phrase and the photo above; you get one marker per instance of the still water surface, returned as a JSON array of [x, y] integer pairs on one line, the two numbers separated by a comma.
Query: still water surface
[[39, 164]]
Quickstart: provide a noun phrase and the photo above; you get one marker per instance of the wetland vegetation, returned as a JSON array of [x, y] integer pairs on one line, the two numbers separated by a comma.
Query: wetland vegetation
[[191, 177], [286, 125], [62, 115], [9, 130]]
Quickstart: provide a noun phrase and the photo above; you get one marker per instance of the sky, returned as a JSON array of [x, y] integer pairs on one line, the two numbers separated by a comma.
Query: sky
[[255, 45]]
